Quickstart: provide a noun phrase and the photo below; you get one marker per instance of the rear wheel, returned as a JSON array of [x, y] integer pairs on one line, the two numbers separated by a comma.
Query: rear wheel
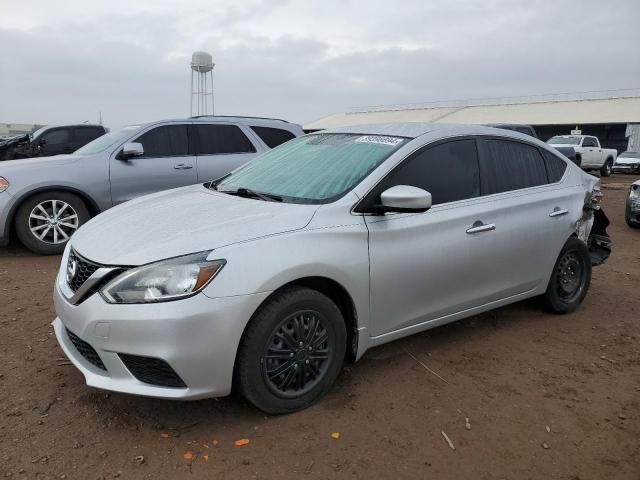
[[605, 171], [570, 278], [46, 221], [292, 351]]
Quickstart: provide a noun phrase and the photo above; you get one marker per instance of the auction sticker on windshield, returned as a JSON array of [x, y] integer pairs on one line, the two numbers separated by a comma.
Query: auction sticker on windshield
[[380, 139]]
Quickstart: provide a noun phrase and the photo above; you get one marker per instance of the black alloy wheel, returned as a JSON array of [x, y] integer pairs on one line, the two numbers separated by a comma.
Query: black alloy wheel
[[297, 355]]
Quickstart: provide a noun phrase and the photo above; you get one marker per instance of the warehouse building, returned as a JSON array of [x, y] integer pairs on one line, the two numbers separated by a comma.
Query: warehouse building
[[614, 119], [12, 129]]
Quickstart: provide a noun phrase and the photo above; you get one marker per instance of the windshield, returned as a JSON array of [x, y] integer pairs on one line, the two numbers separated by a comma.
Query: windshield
[[105, 141], [315, 168], [37, 133], [630, 155], [564, 141]]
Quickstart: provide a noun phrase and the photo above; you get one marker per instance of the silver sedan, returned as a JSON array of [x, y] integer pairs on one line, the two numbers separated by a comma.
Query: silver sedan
[[269, 278]]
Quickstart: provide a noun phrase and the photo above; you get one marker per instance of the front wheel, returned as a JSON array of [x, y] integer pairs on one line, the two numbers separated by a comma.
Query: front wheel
[[605, 171], [570, 278], [292, 351], [46, 221]]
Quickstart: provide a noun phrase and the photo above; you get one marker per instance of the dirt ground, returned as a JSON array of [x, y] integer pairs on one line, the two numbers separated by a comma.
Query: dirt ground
[[546, 397]]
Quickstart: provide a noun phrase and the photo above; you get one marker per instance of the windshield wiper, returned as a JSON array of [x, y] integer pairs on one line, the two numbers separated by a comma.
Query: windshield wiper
[[213, 184], [248, 193]]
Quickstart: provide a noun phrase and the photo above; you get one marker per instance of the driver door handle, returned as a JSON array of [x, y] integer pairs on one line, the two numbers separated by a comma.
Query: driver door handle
[[557, 212], [182, 166], [479, 227]]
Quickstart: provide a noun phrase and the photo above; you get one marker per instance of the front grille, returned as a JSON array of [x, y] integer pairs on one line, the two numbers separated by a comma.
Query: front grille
[[86, 350], [83, 270], [152, 370]]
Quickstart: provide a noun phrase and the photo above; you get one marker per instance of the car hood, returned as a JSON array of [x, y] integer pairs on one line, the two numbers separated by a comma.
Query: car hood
[[182, 221], [563, 145], [627, 160]]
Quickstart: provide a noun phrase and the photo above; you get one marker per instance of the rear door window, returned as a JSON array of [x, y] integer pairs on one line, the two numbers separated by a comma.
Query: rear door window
[[508, 165], [165, 141], [273, 137], [86, 134], [222, 139], [449, 171]]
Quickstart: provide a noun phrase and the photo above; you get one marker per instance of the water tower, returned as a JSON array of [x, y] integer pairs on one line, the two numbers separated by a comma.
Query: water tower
[[201, 84]]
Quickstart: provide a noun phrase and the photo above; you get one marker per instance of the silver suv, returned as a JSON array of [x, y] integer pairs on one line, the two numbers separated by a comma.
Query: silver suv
[[48, 199], [318, 250]]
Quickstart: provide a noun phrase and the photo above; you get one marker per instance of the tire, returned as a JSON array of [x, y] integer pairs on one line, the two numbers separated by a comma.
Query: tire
[[570, 278], [273, 371], [629, 220], [605, 171], [40, 229]]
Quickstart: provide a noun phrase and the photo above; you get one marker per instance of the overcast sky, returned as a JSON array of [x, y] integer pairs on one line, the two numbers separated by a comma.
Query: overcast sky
[[63, 61]]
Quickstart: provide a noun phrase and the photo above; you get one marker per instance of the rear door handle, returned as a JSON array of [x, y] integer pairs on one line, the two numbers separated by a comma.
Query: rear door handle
[[182, 166], [479, 227], [557, 212]]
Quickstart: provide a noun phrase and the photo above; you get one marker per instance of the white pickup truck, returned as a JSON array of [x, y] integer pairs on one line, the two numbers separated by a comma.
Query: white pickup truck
[[586, 152]]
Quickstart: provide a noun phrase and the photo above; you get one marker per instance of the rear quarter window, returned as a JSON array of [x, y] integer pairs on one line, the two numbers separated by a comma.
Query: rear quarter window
[[273, 137], [555, 166]]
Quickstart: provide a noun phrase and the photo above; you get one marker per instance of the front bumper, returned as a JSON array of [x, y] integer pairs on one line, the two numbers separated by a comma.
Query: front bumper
[[197, 337], [632, 211], [6, 203], [626, 168]]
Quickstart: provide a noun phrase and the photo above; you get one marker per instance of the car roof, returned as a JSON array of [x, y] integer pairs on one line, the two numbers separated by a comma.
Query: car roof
[[416, 129], [71, 125], [239, 120], [572, 136]]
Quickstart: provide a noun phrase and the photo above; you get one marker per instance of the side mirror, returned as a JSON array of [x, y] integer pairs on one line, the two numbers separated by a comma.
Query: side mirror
[[132, 149], [42, 142], [404, 198]]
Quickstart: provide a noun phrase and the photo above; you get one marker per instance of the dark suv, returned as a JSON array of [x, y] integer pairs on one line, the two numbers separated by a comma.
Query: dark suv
[[64, 139], [53, 140]]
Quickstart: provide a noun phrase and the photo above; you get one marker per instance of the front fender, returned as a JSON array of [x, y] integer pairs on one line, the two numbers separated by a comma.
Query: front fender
[[264, 265]]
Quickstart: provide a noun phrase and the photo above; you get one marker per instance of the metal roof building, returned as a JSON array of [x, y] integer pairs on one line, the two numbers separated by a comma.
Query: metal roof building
[[615, 119]]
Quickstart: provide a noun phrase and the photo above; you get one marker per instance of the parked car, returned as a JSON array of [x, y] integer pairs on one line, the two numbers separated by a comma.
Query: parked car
[[516, 127], [9, 145], [48, 199], [586, 152], [52, 140], [627, 162], [322, 248], [632, 211]]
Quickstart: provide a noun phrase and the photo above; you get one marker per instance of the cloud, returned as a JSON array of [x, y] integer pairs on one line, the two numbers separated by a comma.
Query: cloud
[[303, 60]]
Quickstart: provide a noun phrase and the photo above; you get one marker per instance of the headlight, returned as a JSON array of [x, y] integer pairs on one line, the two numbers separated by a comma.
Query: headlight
[[163, 281], [4, 184]]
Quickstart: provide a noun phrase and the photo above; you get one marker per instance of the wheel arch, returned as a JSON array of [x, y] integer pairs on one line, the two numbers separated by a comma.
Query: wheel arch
[[91, 204], [337, 293]]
